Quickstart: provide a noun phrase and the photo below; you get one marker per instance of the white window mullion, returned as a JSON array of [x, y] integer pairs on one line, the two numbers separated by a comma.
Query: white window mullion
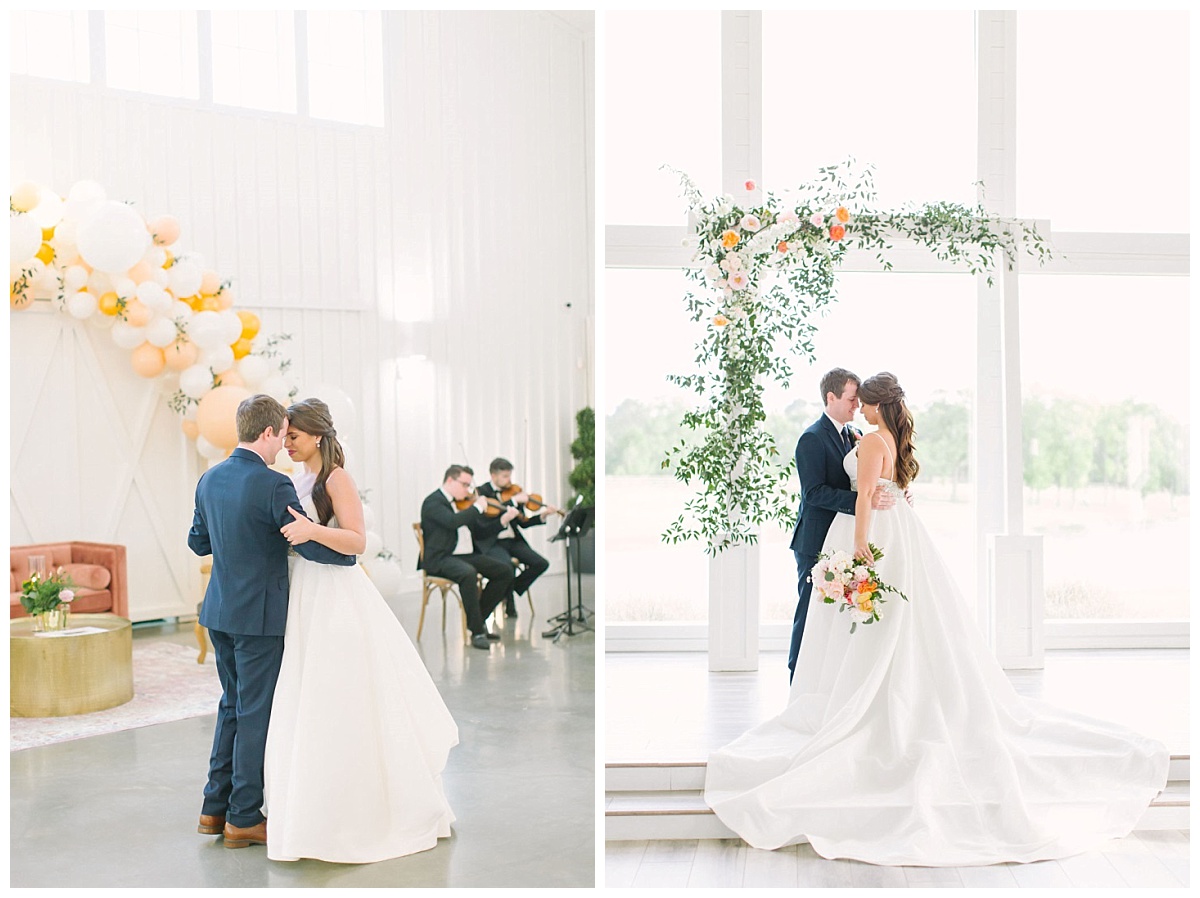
[[204, 47], [302, 105]]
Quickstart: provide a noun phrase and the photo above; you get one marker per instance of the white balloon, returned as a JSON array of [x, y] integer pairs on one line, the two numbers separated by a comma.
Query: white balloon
[[195, 381], [208, 450], [155, 257], [276, 387], [123, 286], [184, 278], [74, 278], [180, 310], [386, 575], [341, 408], [219, 360], [113, 238], [190, 413], [82, 305], [24, 238], [47, 284], [254, 369], [206, 330], [374, 544], [49, 211], [161, 332], [103, 322], [155, 298], [161, 277], [99, 283], [128, 337], [233, 326]]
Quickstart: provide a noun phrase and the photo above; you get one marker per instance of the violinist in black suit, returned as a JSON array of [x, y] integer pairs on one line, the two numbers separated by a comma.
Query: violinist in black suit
[[450, 551], [504, 540]]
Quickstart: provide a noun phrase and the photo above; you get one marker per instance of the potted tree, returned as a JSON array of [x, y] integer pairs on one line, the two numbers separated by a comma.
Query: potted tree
[[583, 479]]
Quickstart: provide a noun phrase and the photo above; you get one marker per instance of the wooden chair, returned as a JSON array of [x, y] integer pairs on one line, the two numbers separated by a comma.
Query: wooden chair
[[429, 583]]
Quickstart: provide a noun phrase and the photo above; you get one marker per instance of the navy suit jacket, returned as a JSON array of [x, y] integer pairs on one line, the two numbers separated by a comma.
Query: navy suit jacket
[[240, 506], [824, 485]]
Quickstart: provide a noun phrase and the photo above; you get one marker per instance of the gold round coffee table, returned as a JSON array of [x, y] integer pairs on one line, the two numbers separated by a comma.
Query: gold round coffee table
[[71, 673]]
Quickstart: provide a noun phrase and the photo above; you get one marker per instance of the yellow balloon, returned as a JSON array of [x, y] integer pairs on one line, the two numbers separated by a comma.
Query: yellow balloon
[[47, 234], [170, 260], [250, 325], [241, 348], [190, 428], [181, 354], [216, 416], [147, 360], [110, 303], [46, 253]]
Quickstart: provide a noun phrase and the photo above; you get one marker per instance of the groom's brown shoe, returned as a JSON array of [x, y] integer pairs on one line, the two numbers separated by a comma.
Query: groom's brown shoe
[[211, 825], [240, 837]]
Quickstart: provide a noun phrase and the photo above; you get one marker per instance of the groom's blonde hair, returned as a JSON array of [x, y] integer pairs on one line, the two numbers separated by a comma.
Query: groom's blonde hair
[[256, 414]]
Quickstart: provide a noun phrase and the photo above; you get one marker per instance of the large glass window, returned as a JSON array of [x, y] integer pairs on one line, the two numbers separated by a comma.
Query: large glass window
[[1105, 384], [873, 327], [345, 66], [1102, 119], [153, 52], [254, 59], [51, 44], [896, 89], [662, 90]]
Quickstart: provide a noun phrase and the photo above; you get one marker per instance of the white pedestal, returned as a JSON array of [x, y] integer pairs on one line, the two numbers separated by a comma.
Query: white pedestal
[[1018, 603], [733, 609]]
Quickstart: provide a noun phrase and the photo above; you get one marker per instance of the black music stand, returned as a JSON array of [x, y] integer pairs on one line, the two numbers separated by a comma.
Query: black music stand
[[576, 524]]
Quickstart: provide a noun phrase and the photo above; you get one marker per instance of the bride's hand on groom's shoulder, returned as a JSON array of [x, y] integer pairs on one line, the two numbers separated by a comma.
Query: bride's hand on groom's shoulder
[[299, 531]]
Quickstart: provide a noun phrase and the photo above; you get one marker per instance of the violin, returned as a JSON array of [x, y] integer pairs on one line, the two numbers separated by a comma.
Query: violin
[[533, 504], [494, 508]]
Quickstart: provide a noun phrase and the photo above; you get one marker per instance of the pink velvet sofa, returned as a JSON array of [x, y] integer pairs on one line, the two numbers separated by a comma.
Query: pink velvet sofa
[[98, 570]]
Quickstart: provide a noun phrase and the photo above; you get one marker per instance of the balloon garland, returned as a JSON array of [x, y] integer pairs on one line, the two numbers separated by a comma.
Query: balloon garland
[[99, 260]]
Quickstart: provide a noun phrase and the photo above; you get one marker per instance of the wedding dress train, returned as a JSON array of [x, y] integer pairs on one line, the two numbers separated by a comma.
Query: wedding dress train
[[359, 734], [905, 743]]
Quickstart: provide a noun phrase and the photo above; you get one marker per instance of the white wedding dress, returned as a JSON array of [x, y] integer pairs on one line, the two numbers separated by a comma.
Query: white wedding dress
[[905, 743], [359, 734]]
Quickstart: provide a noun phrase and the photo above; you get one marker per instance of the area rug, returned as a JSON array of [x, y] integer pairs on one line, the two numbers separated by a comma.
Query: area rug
[[168, 685]]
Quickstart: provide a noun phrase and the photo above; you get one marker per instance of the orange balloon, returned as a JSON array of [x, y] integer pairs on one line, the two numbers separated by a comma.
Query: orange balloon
[[46, 253], [250, 325], [181, 354], [216, 415], [19, 301], [241, 348], [165, 231], [210, 282], [230, 378], [137, 314], [190, 428], [147, 360], [110, 303], [141, 272], [225, 299]]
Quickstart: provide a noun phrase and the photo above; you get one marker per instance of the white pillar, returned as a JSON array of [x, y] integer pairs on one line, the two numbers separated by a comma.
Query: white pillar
[[733, 609]]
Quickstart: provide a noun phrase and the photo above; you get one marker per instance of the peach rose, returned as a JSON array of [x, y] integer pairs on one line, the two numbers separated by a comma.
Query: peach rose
[[836, 232], [750, 185], [843, 214], [730, 239], [720, 320]]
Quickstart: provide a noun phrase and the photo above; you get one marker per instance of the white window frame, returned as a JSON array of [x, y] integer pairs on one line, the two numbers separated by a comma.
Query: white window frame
[[1013, 619]]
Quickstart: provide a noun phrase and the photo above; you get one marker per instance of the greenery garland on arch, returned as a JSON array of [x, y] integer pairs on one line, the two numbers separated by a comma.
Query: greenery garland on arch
[[763, 270]]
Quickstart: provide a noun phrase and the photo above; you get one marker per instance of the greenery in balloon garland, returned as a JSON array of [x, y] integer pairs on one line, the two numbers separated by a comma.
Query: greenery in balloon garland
[[763, 269]]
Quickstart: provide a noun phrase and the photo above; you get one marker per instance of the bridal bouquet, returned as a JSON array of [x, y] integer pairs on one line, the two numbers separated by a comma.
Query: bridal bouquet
[[852, 584]]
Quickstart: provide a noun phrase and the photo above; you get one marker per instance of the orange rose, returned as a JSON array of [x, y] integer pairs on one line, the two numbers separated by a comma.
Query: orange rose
[[720, 320], [866, 586], [836, 232], [730, 239], [782, 246], [843, 214]]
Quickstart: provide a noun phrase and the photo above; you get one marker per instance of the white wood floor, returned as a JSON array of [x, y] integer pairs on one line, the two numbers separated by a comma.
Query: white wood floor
[[1154, 859], [669, 707]]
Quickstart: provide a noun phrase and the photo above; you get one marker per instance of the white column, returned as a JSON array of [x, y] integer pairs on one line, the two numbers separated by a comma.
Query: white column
[[733, 574], [1010, 594]]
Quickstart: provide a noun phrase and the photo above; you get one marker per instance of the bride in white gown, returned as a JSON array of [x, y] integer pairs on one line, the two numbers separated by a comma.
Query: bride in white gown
[[359, 735], [905, 743]]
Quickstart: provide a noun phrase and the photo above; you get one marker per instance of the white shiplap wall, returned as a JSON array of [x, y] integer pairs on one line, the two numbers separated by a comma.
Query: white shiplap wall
[[425, 269]]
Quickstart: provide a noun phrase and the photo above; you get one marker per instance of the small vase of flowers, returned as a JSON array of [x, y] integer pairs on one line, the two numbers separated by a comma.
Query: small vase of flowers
[[47, 598]]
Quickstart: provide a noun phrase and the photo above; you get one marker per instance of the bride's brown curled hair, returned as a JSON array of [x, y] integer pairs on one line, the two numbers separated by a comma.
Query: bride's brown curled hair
[[884, 390], [312, 416]]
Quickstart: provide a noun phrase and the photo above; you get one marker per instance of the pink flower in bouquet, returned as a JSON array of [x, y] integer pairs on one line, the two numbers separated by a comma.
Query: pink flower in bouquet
[[788, 219], [751, 223], [67, 595], [816, 219], [739, 280], [750, 185], [732, 262]]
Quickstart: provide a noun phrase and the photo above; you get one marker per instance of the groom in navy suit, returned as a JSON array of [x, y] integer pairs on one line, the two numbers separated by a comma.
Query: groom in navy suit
[[241, 504], [824, 486]]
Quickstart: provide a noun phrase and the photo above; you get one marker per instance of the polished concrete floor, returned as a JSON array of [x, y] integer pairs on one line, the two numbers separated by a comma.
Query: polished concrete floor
[[120, 810]]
